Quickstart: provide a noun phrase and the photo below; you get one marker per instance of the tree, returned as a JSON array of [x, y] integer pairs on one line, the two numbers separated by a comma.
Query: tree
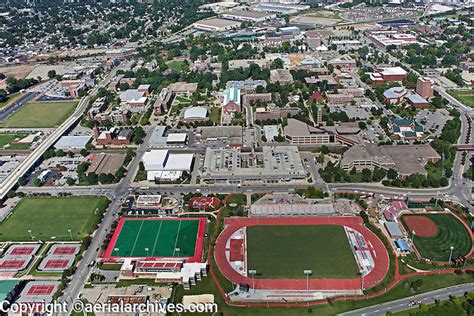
[[392, 174], [325, 149], [84, 152], [70, 181], [51, 74], [366, 175]]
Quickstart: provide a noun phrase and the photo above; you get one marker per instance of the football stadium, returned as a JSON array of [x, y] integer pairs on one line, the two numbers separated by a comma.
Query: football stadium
[[156, 238], [318, 253], [435, 234]]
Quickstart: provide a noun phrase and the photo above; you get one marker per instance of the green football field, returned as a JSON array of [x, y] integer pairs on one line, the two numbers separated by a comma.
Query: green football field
[[284, 252], [156, 238], [48, 217], [451, 232], [40, 115]]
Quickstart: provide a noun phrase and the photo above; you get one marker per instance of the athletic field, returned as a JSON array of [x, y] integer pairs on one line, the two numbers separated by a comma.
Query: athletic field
[[466, 96], [436, 234], [283, 252], [156, 238], [40, 115], [50, 218]]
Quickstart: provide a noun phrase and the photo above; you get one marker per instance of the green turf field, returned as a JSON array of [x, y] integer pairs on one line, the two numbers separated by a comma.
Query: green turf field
[[6, 140], [279, 252], [450, 232], [40, 115], [52, 216], [161, 237], [466, 97]]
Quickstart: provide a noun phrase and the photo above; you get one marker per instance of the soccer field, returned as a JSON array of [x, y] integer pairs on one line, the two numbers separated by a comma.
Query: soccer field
[[450, 232], [283, 252], [48, 217], [156, 238], [40, 114]]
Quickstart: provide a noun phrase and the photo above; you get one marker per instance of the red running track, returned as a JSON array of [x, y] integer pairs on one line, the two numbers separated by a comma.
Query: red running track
[[378, 251]]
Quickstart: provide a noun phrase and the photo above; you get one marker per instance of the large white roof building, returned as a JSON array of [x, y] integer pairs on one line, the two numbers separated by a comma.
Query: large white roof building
[[160, 164]]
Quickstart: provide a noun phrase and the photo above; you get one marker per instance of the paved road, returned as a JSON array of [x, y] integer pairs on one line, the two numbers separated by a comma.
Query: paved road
[[116, 195], [49, 141], [18, 104], [404, 303]]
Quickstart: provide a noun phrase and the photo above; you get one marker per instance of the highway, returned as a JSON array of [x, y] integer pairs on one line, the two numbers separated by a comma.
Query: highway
[[16, 105], [83, 268], [404, 303], [36, 154]]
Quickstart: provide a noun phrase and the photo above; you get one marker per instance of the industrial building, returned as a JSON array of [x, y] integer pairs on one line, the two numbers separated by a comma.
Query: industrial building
[[216, 25], [248, 16]]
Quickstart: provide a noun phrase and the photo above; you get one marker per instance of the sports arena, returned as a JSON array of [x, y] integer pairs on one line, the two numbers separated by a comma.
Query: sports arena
[[277, 253], [156, 239]]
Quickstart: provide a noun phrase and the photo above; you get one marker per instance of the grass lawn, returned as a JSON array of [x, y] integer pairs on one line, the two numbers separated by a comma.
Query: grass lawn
[[300, 247], [178, 66], [466, 97], [52, 216], [451, 232], [6, 140], [40, 114], [11, 97], [215, 115]]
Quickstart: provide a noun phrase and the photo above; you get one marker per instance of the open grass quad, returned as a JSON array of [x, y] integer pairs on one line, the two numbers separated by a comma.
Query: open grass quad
[[449, 232], [40, 115], [284, 252], [49, 217]]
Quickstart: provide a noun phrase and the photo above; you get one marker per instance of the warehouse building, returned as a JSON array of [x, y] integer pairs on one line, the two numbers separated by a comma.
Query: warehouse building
[[216, 25], [248, 16]]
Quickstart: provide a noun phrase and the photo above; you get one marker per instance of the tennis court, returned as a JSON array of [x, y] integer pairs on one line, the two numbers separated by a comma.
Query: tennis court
[[157, 238]]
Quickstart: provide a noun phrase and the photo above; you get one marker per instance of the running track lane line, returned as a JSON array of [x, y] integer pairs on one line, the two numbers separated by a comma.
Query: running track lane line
[[156, 239], [136, 239], [177, 237]]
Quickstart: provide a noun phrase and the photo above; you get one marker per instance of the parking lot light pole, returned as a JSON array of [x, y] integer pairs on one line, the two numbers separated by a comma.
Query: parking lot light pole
[[252, 273], [450, 253], [307, 273]]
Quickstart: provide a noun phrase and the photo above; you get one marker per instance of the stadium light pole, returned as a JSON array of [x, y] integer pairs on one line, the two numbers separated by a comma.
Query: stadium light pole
[[436, 201], [29, 232], [252, 273], [413, 233], [147, 254], [116, 251], [177, 250], [451, 248], [70, 233], [307, 273]]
